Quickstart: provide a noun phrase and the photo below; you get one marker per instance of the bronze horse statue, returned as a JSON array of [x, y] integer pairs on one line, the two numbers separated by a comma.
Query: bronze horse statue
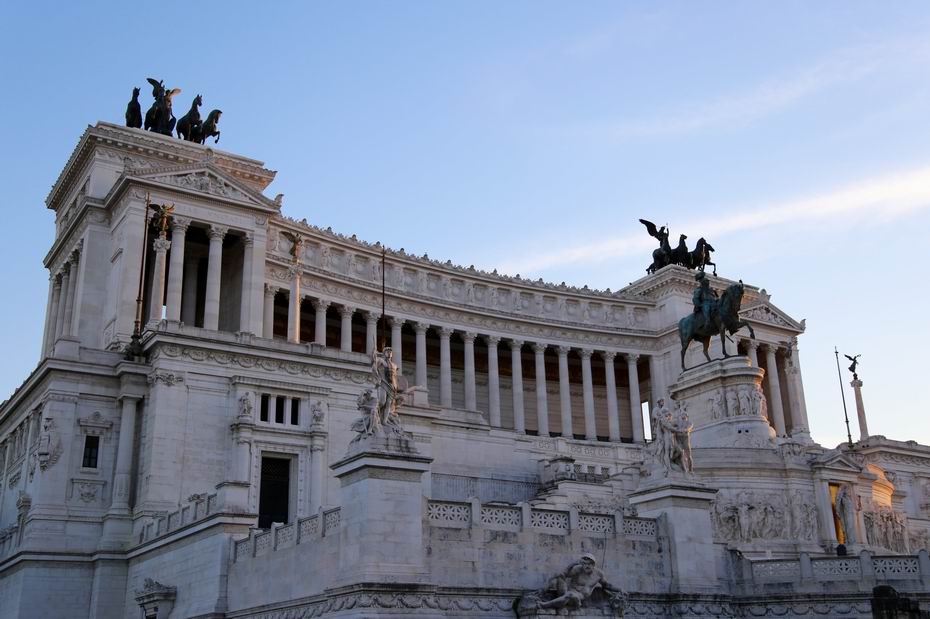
[[189, 125], [724, 318], [208, 129], [700, 256], [134, 111]]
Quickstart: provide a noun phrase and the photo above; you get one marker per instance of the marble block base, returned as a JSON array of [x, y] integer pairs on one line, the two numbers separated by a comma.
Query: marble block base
[[710, 393]]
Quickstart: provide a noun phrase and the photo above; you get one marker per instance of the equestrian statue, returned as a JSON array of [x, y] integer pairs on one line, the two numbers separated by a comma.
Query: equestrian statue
[[681, 255], [712, 315]]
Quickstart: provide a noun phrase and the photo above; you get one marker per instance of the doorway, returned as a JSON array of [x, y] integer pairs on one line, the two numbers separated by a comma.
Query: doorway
[[273, 498]]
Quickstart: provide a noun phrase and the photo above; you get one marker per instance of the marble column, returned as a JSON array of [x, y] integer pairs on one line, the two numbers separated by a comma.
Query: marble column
[[245, 295], [800, 426], [613, 415], [776, 412], [565, 394], [75, 291], [587, 385], [516, 368], [371, 331], [542, 397], [268, 311], [494, 385], [345, 331], [856, 384], [317, 473], [63, 302], [397, 333], [656, 379], [211, 311], [294, 300], [179, 227], [753, 347], [471, 398], [52, 318], [825, 511], [636, 406], [189, 291], [420, 328], [445, 368], [319, 332], [124, 453], [157, 296], [71, 274]]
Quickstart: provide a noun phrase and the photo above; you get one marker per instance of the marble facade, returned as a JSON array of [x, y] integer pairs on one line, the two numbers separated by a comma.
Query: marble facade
[[143, 487]]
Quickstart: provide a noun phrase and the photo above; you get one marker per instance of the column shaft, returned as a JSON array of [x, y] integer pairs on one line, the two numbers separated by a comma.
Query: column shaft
[[776, 411], [345, 329], [753, 352], [316, 478], [245, 297], [67, 293], [371, 332], [445, 368], [494, 389], [636, 406], [590, 422], [62, 303], [211, 310], [856, 384], [542, 398], [157, 296], [516, 366], [471, 398], [52, 319], [293, 307], [268, 312], [319, 335], [176, 269], [396, 344], [189, 291], [613, 416], [421, 353], [565, 394], [74, 293]]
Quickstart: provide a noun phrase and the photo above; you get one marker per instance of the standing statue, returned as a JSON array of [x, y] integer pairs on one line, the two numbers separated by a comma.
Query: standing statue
[[855, 364], [159, 118], [662, 256], [846, 509], [581, 585], [134, 111], [672, 439], [712, 316], [190, 124], [378, 404]]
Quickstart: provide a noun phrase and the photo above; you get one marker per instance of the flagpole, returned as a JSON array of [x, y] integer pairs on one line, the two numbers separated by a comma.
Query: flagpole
[[839, 375], [382, 299]]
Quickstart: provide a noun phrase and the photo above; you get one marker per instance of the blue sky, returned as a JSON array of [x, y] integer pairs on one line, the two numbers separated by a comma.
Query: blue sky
[[530, 137]]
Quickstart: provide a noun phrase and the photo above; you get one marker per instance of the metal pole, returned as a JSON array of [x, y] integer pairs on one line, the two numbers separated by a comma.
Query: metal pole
[[381, 321], [839, 375], [137, 330]]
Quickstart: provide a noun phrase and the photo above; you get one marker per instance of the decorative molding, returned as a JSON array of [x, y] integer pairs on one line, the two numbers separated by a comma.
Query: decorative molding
[[95, 424], [168, 378]]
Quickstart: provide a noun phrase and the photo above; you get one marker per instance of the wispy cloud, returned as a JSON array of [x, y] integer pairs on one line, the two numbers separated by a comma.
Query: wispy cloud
[[742, 107], [889, 196]]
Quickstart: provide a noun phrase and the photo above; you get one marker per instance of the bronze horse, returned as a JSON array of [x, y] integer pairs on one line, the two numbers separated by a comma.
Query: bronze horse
[[189, 125], [724, 318], [208, 129], [159, 117]]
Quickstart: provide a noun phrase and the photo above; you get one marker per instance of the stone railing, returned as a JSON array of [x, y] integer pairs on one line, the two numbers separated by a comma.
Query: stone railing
[[523, 516], [198, 509], [863, 567], [279, 536]]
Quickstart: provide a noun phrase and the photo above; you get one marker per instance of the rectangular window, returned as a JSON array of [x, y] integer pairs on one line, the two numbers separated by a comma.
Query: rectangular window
[[274, 490], [295, 412], [279, 409], [91, 450], [263, 414]]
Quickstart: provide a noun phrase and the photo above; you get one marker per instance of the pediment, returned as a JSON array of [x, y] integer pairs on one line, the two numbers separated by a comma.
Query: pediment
[[766, 312], [837, 461], [206, 179]]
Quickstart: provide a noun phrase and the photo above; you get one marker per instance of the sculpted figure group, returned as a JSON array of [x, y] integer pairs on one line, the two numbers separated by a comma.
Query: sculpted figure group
[[378, 404], [697, 258], [160, 118], [671, 446], [745, 401], [750, 516], [581, 585]]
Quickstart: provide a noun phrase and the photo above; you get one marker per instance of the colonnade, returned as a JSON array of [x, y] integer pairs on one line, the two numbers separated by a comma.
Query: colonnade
[[779, 410], [540, 409]]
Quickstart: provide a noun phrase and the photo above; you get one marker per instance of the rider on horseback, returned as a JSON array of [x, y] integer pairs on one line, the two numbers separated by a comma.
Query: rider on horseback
[[704, 298]]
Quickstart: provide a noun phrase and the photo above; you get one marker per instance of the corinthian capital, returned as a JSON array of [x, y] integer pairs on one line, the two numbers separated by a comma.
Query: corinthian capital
[[217, 232]]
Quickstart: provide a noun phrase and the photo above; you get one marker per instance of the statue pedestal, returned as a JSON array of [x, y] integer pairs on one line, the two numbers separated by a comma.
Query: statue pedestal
[[381, 523], [719, 400], [684, 504]]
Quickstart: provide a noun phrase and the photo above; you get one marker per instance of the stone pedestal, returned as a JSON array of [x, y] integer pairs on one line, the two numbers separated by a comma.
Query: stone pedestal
[[724, 400], [684, 505], [381, 522]]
